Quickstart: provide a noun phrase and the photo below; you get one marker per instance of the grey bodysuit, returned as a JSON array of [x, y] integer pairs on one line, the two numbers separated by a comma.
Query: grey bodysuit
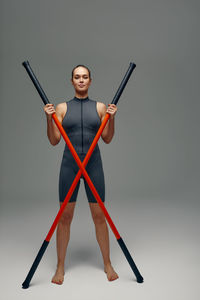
[[81, 123]]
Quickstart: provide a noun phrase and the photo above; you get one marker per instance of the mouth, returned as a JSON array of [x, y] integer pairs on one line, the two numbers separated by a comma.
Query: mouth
[[81, 85]]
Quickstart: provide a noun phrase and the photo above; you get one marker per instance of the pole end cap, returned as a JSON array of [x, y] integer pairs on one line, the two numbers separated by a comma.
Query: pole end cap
[[25, 285], [25, 63], [140, 279]]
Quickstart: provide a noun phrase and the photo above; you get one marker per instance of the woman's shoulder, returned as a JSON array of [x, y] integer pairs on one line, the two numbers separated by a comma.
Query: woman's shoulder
[[101, 105], [101, 108], [61, 108]]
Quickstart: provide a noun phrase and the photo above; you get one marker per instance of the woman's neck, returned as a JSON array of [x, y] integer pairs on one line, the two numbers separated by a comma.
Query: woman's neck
[[82, 95]]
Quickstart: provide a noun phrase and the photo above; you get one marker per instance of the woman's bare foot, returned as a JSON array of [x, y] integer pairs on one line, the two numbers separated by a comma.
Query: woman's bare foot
[[58, 278], [111, 274]]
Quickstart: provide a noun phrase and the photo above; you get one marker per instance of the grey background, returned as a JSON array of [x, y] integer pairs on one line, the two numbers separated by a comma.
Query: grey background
[[151, 166]]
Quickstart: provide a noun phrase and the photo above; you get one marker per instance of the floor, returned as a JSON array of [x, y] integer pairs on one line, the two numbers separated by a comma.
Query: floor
[[161, 233]]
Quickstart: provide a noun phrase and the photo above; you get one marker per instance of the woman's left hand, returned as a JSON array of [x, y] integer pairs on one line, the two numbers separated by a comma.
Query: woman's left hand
[[112, 109]]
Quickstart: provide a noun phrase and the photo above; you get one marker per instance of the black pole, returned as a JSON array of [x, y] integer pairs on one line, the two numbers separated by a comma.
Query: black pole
[[35, 82], [130, 260], [35, 264], [123, 83]]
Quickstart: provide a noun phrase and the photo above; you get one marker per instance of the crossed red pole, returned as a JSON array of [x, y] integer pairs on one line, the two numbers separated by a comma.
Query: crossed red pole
[[82, 166]]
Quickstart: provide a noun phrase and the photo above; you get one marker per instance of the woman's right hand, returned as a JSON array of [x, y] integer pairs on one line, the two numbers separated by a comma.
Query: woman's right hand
[[49, 110]]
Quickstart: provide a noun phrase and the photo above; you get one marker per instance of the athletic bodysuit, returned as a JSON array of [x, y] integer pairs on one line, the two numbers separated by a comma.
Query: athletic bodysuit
[[81, 123]]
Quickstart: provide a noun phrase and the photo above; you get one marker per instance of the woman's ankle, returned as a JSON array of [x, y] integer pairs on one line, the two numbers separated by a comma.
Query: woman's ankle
[[60, 266]]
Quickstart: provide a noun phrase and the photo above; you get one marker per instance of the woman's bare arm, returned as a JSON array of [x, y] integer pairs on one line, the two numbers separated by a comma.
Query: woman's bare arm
[[53, 133], [109, 129]]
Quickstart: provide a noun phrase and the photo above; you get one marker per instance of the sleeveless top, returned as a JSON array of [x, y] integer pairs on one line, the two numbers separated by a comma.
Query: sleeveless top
[[81, 123]]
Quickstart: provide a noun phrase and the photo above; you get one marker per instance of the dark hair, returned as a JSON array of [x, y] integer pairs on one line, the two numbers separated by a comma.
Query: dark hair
[[83, 67]]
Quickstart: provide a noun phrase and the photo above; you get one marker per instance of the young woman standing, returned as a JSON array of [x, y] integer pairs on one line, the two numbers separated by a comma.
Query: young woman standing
[[81, 118]]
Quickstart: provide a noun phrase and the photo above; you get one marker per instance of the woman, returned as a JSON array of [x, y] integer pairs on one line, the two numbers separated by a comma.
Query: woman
[[81, 118]]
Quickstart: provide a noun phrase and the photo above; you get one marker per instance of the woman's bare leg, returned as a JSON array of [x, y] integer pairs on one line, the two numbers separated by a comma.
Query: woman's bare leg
[[62, 239], [102, 236]]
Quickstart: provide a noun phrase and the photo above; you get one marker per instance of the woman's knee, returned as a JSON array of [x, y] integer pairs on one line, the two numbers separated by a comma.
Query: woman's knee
[[98, 218], [66, 218], [67, 215]]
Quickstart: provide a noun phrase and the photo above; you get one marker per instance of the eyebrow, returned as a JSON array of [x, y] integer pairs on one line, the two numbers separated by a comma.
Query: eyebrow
[[80, 75]]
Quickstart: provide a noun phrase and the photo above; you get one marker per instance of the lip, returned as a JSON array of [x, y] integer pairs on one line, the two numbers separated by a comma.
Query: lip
[[81, 85]]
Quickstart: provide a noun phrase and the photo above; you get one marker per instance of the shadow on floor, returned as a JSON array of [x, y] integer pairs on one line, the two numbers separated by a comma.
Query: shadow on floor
[[84, 256]]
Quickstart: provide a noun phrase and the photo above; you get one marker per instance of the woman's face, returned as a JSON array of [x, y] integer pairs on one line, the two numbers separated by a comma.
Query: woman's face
[[81, 80]]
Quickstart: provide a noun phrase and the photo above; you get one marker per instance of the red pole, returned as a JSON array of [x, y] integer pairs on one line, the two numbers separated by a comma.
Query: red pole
[[82, 170]]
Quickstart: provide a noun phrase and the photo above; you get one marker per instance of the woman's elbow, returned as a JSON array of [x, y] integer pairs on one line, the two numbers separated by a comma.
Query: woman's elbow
[[54, 142], [107, 140]]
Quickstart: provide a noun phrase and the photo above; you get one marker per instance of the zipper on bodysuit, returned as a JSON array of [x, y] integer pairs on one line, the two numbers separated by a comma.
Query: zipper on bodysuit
[[82, 124]]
